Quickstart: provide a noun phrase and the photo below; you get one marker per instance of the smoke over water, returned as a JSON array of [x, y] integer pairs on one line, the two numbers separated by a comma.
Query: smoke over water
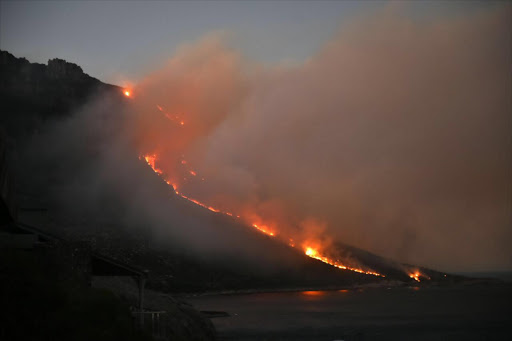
[[395, 137]]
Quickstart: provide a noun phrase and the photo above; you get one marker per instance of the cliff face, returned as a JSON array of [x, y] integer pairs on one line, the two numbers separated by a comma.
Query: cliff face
[[31, 93]]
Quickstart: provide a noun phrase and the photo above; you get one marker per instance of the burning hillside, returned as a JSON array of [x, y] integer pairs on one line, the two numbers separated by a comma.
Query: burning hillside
[[316, 248], [304, 156], [190, 241], [332, 150], [309, 251]]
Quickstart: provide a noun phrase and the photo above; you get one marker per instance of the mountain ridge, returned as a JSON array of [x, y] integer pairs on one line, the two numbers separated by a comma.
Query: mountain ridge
[[252, 261], [33, 93]]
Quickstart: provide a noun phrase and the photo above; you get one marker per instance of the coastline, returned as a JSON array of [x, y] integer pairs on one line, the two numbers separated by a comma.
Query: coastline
[[382, 285]]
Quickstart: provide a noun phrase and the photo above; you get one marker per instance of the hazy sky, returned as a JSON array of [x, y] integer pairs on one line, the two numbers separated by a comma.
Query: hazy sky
[[118, 41]]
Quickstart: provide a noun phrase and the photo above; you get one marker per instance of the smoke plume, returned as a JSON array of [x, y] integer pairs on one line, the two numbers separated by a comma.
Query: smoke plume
[[395, 137]]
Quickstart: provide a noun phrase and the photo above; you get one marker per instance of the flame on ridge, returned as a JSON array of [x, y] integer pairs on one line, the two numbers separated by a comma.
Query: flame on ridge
[[150, 159], [416, 275], [264, 229], [313, 253], [308, 250]]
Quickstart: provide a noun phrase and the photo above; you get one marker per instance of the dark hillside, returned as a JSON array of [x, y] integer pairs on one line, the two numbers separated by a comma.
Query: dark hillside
[[33, 93], [45, 290]]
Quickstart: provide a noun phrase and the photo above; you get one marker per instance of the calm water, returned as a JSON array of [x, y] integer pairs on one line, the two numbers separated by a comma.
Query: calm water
[[461, 313], [502, 275]]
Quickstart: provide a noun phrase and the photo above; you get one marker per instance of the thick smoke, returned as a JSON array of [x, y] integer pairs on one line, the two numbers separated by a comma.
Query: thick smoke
[[86, 171], [395, 137]]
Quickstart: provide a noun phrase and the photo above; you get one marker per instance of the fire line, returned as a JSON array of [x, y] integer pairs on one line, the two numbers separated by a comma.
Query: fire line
[[308, 250]]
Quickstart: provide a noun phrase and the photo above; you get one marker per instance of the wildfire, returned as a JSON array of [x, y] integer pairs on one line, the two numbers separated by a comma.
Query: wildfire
[[127, 93], [150, 159], [311, 252], [213, 209], [314, 253], [171, 117], [264, 229], [416, 275], [308, 250]]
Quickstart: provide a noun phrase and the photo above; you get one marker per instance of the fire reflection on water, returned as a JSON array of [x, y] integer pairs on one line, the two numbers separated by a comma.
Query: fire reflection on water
[[313, 293]]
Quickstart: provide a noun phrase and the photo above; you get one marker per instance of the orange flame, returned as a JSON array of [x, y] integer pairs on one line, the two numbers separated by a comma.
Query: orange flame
[[308, 250], [150, 159], [169, 116], [314, 253], [416, 275], [264, 229], [127, 93]]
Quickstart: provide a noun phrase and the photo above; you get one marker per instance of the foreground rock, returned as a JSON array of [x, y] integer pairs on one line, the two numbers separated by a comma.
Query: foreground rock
[[178, 320]]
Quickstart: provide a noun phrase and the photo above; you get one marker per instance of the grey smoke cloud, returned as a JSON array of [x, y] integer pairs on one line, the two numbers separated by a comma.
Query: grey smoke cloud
[[86, 171], [395, 137]]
